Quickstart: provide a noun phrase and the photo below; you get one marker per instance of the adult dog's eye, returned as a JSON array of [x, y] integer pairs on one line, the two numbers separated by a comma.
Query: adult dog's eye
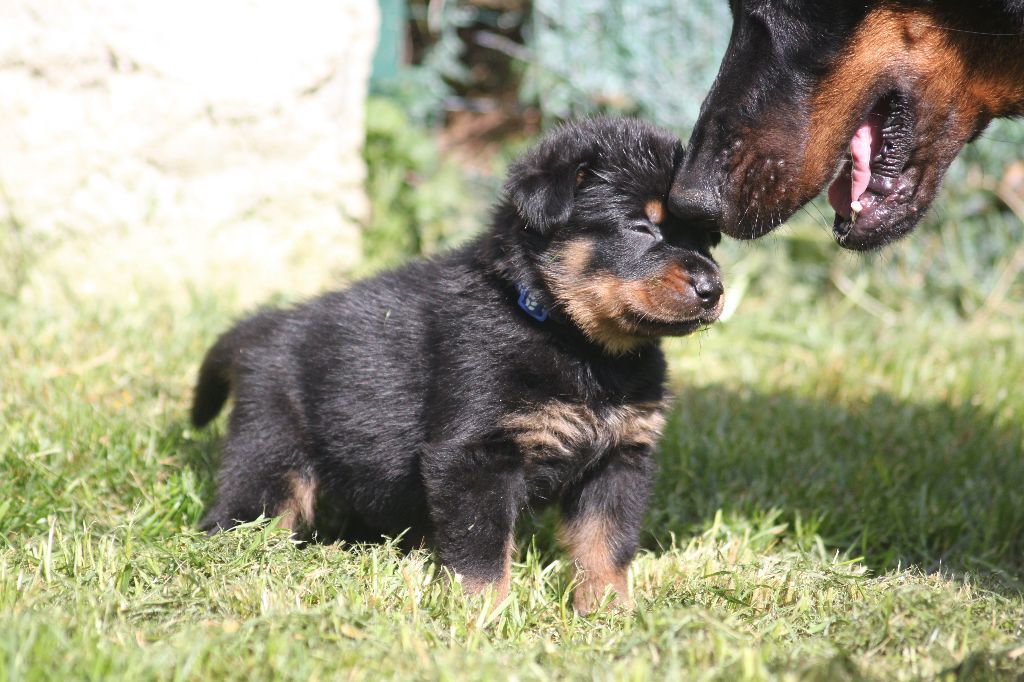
[[646, 227]]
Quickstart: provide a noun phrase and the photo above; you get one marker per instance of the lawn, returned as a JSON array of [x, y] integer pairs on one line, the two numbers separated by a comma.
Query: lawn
[[840, 496]]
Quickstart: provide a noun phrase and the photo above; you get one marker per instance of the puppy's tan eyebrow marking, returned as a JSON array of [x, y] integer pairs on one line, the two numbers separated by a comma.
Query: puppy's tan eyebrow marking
[[655, 210]]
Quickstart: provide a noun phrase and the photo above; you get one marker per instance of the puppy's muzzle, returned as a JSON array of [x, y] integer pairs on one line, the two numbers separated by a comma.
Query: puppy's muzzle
[[686, 291], [697, 284]]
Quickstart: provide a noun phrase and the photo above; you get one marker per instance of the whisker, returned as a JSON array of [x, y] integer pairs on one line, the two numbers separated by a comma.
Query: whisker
[[977, 33], [824, 218]]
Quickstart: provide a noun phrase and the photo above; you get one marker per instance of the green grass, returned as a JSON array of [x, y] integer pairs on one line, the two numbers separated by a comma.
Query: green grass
[[841, 496]]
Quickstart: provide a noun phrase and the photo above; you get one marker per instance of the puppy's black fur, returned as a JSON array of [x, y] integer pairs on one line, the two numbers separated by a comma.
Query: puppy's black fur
[[517, 371]]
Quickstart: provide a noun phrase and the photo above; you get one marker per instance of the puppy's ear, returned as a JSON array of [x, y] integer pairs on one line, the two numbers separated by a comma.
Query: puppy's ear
[[542, 187]]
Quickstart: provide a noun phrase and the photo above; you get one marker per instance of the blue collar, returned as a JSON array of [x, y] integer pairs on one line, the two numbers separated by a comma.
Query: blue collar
[[530, 304]]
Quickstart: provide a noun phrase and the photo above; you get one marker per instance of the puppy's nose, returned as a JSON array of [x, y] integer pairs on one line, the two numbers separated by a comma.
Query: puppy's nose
[[709, 288]]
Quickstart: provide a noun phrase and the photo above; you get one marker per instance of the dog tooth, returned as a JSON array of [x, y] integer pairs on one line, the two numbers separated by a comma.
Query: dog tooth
[[856, 206]]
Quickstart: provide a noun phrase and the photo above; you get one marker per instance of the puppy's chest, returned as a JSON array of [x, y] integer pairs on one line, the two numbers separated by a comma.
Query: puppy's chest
[[577, 432]]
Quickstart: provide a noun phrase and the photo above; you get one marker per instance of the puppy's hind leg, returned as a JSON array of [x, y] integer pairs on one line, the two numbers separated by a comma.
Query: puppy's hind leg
[[264, 472]]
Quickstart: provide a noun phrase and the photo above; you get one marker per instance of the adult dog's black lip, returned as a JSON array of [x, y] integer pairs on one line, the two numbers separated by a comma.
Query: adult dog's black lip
[[888, 215], [887, 205]]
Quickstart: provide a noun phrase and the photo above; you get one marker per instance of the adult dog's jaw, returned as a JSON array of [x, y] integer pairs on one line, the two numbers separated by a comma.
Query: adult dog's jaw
[[878, 195], [873, 101]]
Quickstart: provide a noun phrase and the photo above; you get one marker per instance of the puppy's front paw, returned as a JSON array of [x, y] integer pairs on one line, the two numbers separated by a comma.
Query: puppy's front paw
[[590, 595], [473, 586]]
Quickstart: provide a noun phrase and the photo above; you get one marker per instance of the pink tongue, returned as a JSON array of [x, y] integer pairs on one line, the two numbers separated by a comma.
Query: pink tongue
[[848, 187], [861, 147]]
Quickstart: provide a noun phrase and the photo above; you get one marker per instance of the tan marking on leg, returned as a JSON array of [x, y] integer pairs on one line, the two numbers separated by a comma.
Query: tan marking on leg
[[501, 586], [588, 540], [297, 511]]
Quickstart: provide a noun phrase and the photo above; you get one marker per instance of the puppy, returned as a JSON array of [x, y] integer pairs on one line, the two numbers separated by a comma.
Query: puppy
[[518, 371]]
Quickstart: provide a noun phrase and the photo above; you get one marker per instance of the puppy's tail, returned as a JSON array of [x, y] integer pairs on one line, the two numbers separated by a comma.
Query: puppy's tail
[[218, 368]]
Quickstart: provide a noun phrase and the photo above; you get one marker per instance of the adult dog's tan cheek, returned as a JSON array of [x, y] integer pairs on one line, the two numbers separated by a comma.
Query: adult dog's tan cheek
[[957, 79], [875, 51]]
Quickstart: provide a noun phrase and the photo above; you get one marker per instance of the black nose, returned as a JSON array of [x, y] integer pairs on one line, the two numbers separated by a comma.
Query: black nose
[[694, 205], [709, 288]]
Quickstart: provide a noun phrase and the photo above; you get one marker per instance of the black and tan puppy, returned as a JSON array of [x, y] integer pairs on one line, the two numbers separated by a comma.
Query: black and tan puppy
[[520, 370]]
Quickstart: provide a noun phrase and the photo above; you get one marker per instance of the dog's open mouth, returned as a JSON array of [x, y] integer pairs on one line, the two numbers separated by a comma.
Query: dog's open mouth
[[873, 190]]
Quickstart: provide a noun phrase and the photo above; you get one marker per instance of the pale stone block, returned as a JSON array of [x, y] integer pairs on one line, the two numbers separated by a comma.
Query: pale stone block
[[194, 142]]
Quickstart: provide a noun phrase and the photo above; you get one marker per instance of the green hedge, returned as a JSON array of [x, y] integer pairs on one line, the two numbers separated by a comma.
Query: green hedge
[[655, 58]]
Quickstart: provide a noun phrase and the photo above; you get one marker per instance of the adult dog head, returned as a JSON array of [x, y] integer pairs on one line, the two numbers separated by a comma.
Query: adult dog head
[[877, 97]]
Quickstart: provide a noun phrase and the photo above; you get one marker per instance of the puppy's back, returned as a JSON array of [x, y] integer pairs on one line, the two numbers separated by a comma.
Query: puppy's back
[[343, 355]]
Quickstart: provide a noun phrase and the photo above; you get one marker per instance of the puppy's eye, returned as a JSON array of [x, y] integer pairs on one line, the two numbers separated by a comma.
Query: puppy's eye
[[647, 228], [581, 174]]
